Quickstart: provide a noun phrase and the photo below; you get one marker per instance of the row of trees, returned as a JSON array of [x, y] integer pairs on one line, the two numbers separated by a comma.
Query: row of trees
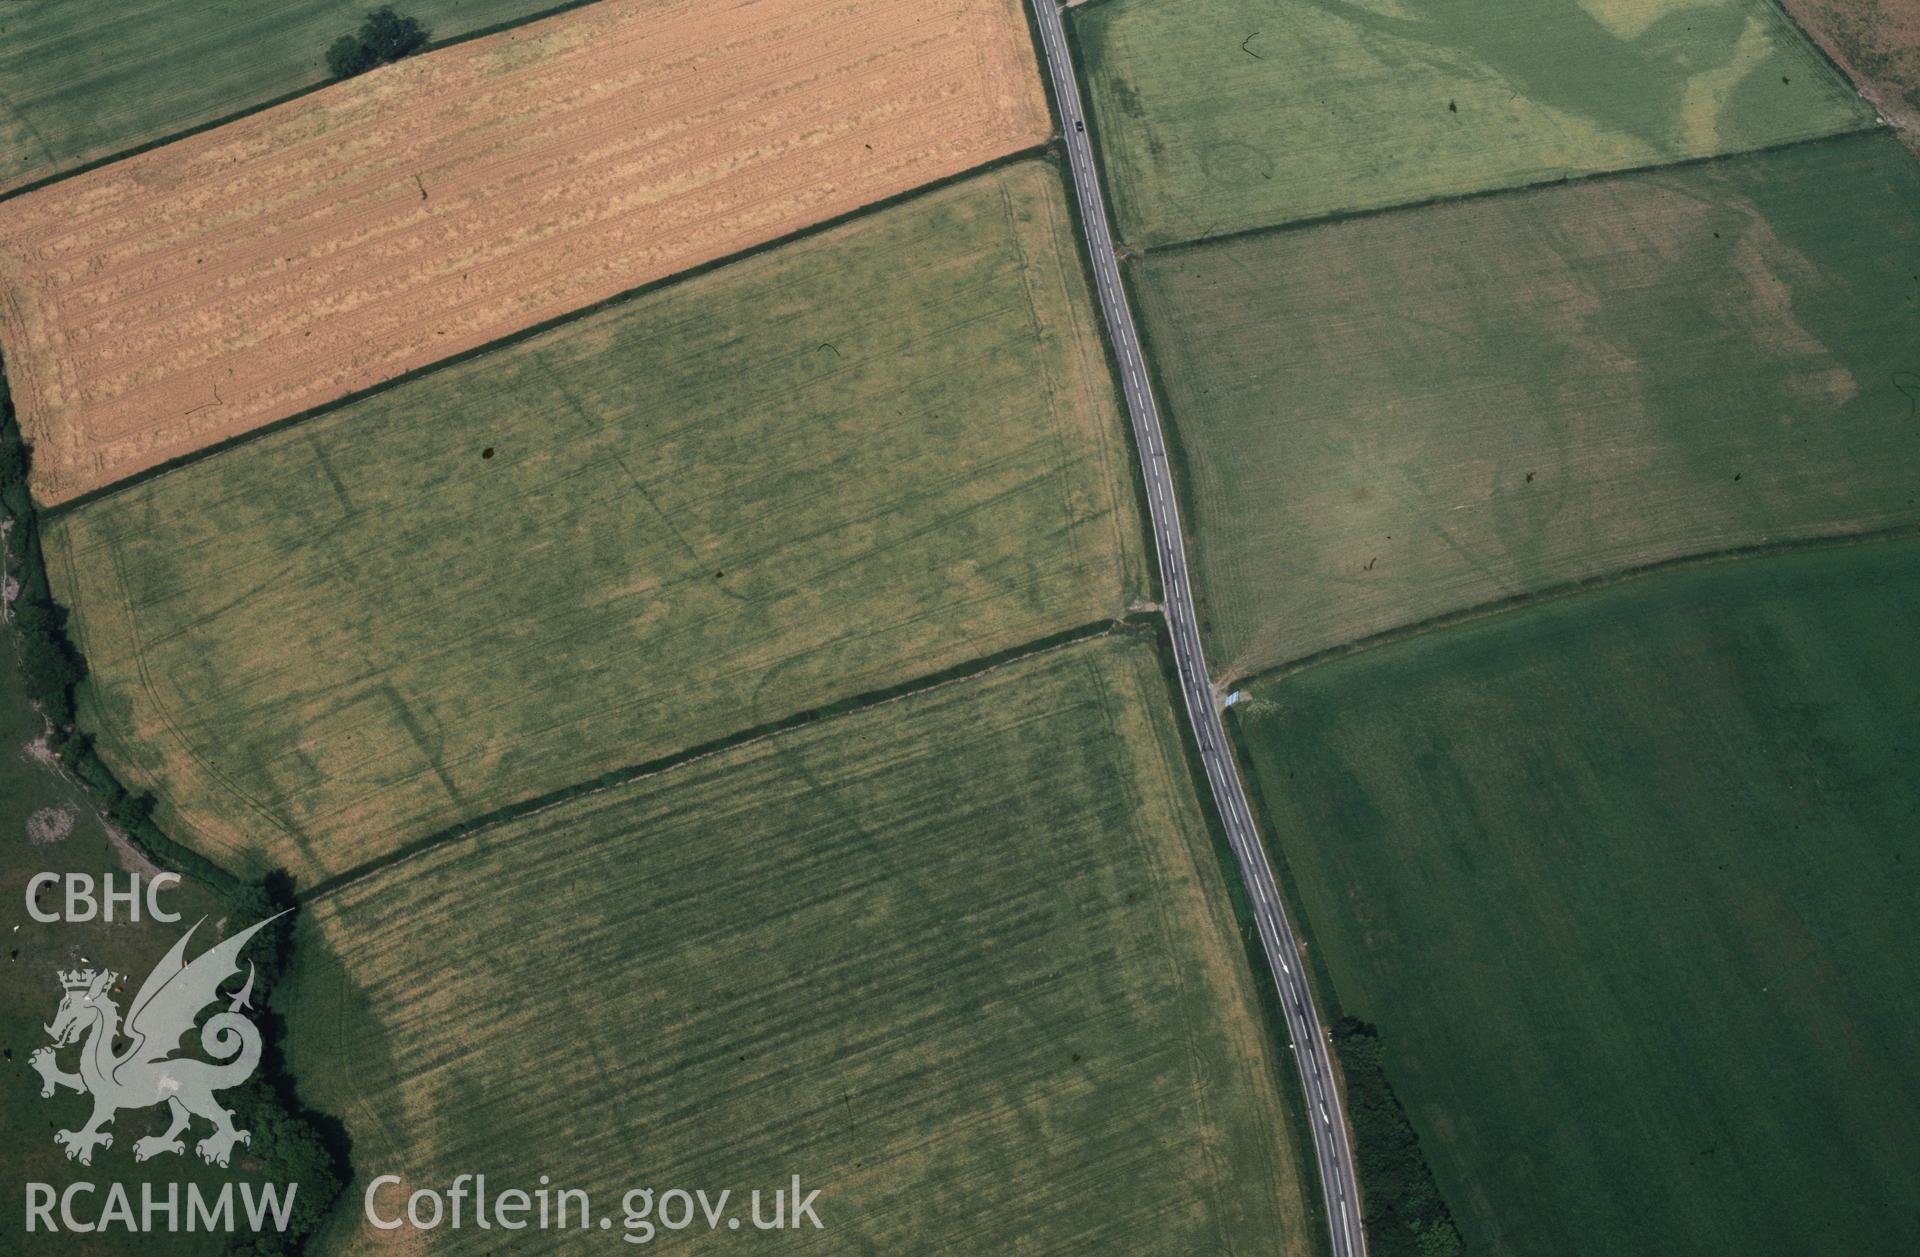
[[292, 1143], [1406, 1216], [52, 667]]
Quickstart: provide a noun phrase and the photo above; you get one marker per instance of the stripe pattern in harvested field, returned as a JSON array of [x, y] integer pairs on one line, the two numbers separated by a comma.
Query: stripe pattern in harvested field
[[80, 83], [963, 961], [831, 468], [166, 302]]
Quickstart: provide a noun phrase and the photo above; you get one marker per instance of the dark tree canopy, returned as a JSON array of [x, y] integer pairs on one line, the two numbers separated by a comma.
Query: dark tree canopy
[[384, 36], [290, 1142], [1405, 1214], [348, 57], [390, 37]]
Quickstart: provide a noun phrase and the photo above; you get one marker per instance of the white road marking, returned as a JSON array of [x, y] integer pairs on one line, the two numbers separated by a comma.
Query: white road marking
[[1196, 691]]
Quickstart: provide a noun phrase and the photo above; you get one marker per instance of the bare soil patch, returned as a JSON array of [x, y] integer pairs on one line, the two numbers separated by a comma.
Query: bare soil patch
[[49, 825], [1877, 44], [132, 859]]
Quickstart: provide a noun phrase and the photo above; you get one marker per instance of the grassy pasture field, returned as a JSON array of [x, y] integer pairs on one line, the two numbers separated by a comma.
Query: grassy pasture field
[[48, 825], [1877, 42], [1627, 881], [1215, 116], [79, 82], [1408, 415], [963, 961], [159, 305], [837, 466]]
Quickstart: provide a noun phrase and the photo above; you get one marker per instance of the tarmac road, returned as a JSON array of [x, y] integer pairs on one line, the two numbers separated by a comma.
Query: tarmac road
[[1325, 1108]]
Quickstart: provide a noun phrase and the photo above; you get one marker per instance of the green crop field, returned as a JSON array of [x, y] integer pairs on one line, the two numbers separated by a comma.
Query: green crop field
[[832, 468], [1628, 880], [82, 81], [1215, 116], [1407, 415], [962, 961]]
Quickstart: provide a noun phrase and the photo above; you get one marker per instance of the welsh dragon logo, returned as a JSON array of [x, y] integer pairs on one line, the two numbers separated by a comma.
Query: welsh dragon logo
[[147, 1072]]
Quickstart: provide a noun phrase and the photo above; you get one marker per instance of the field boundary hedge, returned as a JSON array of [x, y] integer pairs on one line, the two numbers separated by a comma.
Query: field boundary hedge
[[1405, 1214], [1056, 156], [1538, 185], [1035, 152], [1400, 1202], [1572, 588], [200, 128], [53, 668], [1266, 987], [292, 1142], [616, 777], [1833, 63]]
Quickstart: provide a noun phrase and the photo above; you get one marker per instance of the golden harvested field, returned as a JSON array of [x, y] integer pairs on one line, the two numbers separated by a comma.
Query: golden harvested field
[[834, 467], [186, 295]]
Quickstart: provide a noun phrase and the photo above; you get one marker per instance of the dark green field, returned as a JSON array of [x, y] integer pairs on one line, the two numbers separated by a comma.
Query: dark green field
[[963, 961], [36, 802], [1416, 413], [838, 466], [1628, 880], [1215, 116], [81, 81]]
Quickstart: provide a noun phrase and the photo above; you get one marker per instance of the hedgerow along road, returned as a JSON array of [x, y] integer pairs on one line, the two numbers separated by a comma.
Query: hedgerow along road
[[1326, 1110]]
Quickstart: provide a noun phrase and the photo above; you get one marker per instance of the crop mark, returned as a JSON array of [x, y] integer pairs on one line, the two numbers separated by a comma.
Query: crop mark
[[1908, 384], [229, 300]]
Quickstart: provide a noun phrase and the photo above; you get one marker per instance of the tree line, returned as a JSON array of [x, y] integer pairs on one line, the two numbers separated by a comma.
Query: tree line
[[1405, 1214], [291, 1142]]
